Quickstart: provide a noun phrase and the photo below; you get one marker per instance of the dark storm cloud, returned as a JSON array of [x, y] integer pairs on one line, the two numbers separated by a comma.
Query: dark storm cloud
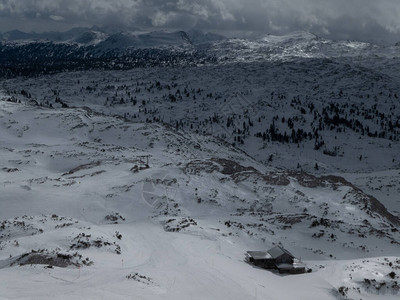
[[349, 19]]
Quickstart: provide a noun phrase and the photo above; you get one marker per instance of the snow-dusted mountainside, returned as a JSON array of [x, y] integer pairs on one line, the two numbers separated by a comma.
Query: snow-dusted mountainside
[[96, 34], [80, 35], [97, 42], [149, 163], [102, 48]]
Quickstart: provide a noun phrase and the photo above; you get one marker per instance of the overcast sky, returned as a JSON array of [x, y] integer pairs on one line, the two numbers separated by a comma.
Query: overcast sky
[[377, 20]]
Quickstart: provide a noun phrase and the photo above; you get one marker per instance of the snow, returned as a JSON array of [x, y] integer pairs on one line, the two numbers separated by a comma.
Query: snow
[[75, 182], [200, 262]]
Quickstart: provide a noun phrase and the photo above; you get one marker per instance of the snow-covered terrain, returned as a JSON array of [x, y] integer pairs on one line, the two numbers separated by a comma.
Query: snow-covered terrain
[[337, 115], [152, 183], [78, 185]]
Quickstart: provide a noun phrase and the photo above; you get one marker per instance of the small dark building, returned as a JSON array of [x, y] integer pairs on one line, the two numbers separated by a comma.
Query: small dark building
[[269, 259], [275, 258]]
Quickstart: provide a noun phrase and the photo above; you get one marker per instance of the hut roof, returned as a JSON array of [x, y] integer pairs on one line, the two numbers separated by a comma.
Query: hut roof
[[259, 254], [278, 251]]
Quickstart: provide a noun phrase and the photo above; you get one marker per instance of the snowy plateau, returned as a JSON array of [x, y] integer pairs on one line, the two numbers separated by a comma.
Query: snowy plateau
[[141, 165]]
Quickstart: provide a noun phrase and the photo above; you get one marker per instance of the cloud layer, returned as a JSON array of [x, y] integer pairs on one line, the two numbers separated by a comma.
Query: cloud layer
[[337, 19]]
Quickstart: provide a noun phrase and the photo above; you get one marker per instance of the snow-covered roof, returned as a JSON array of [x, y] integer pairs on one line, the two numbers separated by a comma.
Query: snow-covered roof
[[259, 254], [274, 252]]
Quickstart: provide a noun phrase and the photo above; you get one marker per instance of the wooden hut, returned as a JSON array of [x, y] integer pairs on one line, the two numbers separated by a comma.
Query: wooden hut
[[276, 258]]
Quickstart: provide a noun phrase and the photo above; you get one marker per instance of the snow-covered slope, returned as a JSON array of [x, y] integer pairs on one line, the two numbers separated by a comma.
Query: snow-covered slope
[[333, 113], [157, 213]]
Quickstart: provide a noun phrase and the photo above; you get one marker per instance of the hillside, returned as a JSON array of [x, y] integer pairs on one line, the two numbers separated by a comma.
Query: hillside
[[285, 114], [55, 158]]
